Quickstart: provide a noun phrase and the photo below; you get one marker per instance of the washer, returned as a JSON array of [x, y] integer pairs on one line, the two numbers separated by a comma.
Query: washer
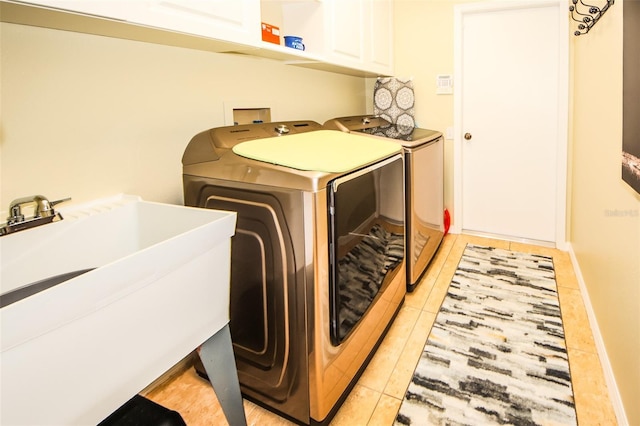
[[424, 185], [317, 263]]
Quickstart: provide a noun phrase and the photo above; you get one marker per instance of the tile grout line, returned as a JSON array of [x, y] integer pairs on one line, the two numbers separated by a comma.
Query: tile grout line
[[438, 274]]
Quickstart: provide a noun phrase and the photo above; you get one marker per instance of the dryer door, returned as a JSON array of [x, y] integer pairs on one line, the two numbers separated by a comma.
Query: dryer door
[[366, 224]]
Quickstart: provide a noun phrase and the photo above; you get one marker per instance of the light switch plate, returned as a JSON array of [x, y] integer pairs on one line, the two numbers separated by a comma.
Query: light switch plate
[[444, 84]]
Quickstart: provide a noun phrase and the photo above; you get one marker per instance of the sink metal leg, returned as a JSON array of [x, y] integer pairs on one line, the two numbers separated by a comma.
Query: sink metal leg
[[217, 357]]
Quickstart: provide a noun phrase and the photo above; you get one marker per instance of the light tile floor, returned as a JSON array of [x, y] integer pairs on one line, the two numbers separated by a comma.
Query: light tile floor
[[376, 398]]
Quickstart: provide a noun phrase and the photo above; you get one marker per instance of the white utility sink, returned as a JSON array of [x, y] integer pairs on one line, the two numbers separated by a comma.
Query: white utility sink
[[75, 352]]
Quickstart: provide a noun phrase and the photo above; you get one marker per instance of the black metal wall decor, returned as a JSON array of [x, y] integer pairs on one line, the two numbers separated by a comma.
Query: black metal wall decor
[[587, 15], [630, 94]]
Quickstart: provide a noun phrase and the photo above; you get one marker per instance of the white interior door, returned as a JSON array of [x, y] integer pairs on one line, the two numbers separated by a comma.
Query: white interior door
[[509, 121]]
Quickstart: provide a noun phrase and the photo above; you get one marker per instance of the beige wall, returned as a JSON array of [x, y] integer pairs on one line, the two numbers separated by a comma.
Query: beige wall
[[87, 116], [605, 213]]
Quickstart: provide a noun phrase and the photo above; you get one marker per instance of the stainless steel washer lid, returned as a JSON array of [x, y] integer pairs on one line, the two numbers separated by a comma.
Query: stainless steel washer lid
[[210, 144], [409, 137], [209, 155]]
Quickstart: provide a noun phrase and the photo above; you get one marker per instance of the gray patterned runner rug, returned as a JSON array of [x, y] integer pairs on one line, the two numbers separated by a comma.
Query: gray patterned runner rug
[[496, 353]]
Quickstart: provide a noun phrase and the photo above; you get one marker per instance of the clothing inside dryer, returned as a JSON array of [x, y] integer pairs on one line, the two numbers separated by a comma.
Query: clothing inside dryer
[[368, 242]]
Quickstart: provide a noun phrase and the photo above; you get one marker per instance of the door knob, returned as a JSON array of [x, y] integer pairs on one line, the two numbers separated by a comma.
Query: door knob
[[467, 136]]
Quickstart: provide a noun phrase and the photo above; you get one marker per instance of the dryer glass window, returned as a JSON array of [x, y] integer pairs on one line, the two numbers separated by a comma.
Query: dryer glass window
[[366, 222]]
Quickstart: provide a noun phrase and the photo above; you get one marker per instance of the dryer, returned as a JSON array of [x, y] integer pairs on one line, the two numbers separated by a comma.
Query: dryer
[[424, 184]]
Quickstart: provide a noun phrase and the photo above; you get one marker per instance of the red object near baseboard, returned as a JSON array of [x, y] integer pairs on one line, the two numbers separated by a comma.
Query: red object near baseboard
[[447, 221]]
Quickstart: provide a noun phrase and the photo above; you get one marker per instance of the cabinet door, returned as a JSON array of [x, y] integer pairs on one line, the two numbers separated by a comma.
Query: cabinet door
[[359, 34], [121, 10], [380, 36], [345, 31], [230, 20]]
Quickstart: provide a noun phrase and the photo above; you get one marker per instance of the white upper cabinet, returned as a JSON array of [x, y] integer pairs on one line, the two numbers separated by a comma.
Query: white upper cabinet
[[359, 33], [344, 36], [380, 36], [229, 20], [345, 28], [355, 34]]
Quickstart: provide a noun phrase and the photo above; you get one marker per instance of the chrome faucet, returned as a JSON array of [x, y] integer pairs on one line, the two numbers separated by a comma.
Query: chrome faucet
[[43, 213]]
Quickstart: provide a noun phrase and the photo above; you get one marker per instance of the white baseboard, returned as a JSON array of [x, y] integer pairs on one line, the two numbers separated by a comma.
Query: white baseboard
[[614, 394]]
